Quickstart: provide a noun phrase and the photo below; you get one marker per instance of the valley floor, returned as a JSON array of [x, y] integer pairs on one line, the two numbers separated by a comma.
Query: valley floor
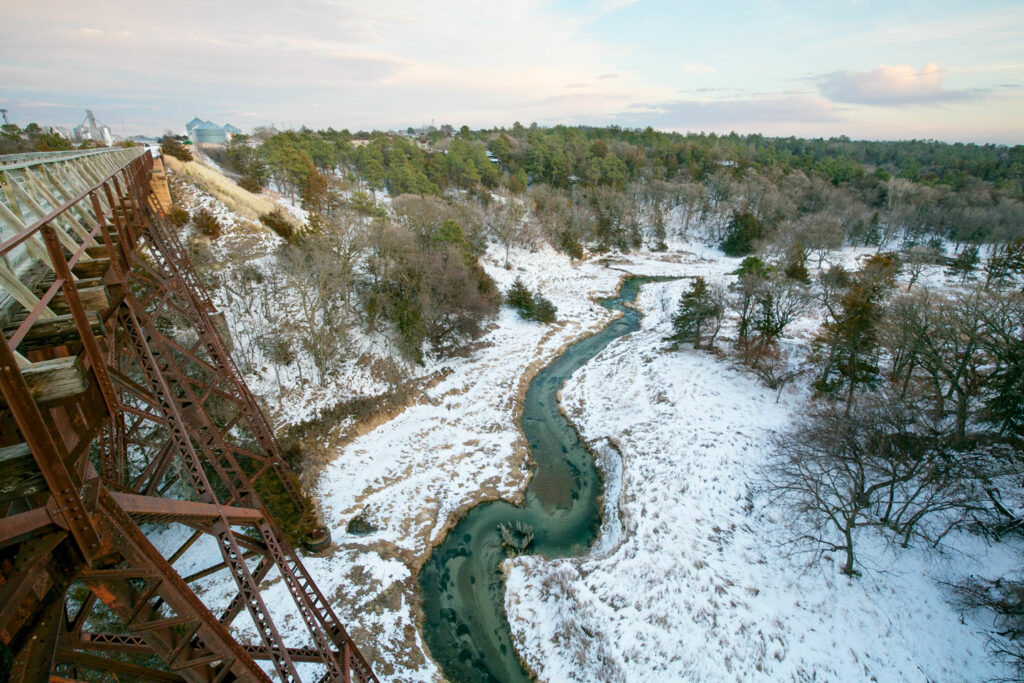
[[689, 580]]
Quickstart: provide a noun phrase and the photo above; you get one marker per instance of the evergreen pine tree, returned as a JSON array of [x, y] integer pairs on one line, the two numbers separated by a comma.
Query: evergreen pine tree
[[520, 298], [743, 229], [699, 315], [543, 311]]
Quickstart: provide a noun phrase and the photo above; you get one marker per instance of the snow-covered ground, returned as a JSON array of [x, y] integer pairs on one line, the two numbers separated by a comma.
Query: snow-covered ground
[[414, 475], [691, 580], [688, 580]]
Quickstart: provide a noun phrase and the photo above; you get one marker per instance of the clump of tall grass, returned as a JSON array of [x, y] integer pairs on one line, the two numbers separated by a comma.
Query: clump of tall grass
[[242, 202]]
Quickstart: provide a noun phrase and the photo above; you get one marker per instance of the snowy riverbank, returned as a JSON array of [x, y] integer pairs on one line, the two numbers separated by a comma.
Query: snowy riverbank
[[687, 582], [694, 585], [411, 477]]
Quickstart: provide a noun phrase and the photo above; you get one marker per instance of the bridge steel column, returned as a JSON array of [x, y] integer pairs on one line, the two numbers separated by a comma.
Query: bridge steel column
[[122, 409]]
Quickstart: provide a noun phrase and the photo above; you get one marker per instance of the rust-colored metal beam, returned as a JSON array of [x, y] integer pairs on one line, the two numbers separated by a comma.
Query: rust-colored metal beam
[[184, 510], [180, 439], [91, 662]]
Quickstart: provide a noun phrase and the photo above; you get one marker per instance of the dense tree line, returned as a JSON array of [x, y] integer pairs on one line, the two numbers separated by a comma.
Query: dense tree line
[[610, 188], [31, 138]]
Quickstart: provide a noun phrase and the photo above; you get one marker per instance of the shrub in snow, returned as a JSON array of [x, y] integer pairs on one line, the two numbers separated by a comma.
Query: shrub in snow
[[177, 216], [531, 306], [206, 222], [1005, 597], [250, 184], [358, 526], [276, 221]]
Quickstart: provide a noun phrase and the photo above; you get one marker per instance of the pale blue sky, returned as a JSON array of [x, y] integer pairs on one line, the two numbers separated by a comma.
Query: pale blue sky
[[867, 69]]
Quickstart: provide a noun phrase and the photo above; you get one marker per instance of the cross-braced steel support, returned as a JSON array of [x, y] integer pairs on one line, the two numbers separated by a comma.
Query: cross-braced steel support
[[123, 413]]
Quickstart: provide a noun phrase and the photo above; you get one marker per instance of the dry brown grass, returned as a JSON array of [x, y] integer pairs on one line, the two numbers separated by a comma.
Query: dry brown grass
[[242, 202]]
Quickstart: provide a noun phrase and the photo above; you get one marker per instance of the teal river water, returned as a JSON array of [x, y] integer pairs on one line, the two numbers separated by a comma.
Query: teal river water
[[463, 592]]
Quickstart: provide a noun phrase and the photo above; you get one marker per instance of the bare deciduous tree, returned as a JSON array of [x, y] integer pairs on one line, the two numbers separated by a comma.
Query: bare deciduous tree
[[505, 224], [878, 464]]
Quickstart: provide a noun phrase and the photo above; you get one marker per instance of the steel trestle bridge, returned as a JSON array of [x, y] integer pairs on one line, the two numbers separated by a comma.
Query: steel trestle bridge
[[122, 411]]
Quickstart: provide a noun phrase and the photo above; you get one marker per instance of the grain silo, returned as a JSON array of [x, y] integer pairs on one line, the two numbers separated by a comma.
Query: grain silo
[[207, 133]]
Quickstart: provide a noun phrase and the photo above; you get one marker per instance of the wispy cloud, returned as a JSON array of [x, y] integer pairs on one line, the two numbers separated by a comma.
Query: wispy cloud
[[36, 103], [463, 61], [697, 68], [891, 85], [694, 114]]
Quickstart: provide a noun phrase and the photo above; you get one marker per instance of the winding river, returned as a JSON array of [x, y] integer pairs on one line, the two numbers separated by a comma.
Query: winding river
[[463, 592]]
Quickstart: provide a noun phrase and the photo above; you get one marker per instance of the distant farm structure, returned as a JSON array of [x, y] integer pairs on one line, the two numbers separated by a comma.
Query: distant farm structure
[[209, 133], [91, 130]]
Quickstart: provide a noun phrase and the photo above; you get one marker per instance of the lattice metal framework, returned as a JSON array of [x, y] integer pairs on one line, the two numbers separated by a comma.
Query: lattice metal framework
[[122, 411]]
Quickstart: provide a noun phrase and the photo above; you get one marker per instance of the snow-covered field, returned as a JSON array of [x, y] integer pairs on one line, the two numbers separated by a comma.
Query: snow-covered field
[[414, 475], [691, 580]]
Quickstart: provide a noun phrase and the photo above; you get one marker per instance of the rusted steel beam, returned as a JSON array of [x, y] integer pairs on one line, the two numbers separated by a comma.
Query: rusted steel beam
[[27, 579], [155, 399], [130, 644], [162, 373], [197, 309], [55, 213], [119, 260], [13, 526], [34, 661], [91, 662], [50, 455], [172, 590], [142, 506], [92, 349]]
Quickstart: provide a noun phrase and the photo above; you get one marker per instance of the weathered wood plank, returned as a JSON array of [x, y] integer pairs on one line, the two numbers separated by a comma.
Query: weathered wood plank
[[19, 475], [94, 268], [92, 298], [99, 251], [54, 380], [50, 332]]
